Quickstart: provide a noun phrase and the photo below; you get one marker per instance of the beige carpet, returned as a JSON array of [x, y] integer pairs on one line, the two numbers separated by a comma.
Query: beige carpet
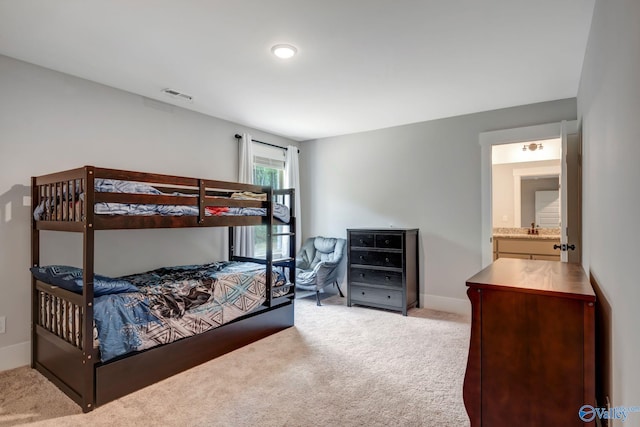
[[338, 366]]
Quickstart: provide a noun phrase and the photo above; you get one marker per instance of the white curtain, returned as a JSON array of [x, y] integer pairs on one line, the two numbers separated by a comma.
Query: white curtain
[[244, 240], [292, 180]]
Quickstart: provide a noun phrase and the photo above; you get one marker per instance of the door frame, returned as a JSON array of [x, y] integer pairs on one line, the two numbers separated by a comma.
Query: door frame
[[508, 136]]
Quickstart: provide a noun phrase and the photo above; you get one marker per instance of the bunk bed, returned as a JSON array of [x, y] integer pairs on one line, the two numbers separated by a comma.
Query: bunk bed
[[65, 342]]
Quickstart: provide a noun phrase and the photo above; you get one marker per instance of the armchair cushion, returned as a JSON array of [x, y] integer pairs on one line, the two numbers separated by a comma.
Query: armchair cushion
[[318, 261], [327, 250]]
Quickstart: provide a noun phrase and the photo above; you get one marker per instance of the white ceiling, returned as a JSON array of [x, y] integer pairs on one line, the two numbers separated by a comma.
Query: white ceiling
[[361, 64]]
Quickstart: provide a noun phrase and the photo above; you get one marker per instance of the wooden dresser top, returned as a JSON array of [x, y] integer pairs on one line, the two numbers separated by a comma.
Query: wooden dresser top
[[536, 277]]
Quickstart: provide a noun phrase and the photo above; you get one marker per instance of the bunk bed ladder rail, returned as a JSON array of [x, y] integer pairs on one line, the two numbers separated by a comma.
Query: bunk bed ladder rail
[[269, 244], [286, 197], [268, 261]]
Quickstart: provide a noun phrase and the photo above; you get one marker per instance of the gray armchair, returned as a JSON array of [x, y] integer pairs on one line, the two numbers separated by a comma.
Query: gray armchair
[[319, 263]]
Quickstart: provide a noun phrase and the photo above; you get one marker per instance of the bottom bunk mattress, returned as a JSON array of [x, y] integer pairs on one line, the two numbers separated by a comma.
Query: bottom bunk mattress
[[177, 302]]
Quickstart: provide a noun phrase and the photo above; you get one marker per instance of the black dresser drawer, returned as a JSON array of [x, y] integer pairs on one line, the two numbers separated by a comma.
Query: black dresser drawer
[[377, 296], [363, 240], [376, 277], [389, 241], [378, 259]]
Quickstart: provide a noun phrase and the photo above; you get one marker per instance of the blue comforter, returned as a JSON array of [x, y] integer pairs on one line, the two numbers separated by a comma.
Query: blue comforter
[[178, 302]]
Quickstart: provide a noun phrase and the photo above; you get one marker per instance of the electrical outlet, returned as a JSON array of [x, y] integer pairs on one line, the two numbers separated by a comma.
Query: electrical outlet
[[3, 324]]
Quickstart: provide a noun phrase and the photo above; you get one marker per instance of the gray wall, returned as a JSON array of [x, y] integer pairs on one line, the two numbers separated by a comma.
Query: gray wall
[[51, 122], [424, 175], [609, 107]]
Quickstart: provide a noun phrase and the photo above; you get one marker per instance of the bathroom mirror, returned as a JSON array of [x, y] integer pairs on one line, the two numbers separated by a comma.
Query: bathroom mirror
[[540, 201]]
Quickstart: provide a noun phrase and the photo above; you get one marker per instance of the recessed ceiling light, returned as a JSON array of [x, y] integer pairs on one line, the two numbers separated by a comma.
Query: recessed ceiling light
[[284, 51]]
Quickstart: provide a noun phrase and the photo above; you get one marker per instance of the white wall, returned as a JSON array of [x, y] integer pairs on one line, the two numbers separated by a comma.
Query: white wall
[[51, 122], [425, 175], [609, 107]]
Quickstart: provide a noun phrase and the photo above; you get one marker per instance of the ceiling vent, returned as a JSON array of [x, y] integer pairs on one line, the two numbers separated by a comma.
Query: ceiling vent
[[178, 95]]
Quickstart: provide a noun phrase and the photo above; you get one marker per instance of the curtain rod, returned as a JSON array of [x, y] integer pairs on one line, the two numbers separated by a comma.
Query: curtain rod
[[238, 136]]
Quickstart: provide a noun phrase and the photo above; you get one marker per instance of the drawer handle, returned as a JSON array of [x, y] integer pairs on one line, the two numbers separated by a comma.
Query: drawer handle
[[388, 296], [387, 278], [386, 242], [361, 241], [386, 259], [362, 275], [362, 257], [362, 292]]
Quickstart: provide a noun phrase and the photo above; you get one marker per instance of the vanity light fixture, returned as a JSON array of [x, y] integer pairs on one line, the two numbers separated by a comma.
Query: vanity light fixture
[[532, 147], [284, 51]]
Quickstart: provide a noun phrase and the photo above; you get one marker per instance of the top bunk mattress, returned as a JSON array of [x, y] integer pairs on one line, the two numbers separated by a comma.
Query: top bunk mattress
[[68, 206]]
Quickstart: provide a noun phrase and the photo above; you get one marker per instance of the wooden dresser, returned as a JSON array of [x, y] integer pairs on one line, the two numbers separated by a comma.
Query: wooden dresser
[[383, 268], [532, 350]]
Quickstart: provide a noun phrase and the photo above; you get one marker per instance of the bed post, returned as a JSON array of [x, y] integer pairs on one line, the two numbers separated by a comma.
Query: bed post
[[35, 262], [231, 243], [202, 194], [269, 248], [88, 391]]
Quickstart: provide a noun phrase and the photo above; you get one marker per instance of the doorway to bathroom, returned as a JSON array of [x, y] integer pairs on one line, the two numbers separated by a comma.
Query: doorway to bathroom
[[519, 163]]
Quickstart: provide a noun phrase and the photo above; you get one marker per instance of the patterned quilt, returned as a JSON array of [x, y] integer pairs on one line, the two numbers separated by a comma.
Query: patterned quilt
[[177, 302]]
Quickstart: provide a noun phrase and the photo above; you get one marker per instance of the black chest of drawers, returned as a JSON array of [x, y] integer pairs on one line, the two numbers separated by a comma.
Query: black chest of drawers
[[382, 268]]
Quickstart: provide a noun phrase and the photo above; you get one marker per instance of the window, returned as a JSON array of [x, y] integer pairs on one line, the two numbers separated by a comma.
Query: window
[[268, 172], [268, 169]]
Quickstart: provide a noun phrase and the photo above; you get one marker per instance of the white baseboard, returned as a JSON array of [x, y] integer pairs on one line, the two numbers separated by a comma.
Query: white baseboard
[[450, 305], [14, 356]]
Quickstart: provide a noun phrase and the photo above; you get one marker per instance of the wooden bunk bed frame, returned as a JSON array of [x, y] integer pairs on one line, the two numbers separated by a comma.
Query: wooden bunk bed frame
[[66, 354]]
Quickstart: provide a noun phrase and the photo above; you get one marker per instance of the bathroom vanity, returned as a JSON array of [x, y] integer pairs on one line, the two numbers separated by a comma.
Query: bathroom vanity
[[525, 246], [527, 243]]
